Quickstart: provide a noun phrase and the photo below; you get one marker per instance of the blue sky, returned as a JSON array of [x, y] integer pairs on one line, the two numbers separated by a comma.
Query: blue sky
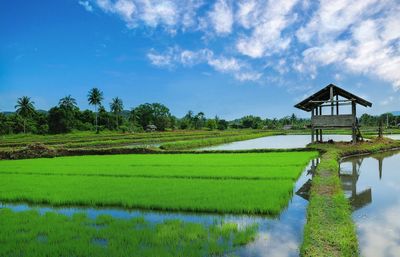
[[225, 58]]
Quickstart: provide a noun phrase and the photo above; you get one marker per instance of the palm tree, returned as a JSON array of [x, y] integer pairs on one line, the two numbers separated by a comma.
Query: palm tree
[[95, 97], [67, 102], [25, 108], [116, 107]]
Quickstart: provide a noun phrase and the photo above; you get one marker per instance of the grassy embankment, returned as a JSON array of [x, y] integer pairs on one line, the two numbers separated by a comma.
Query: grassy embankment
[[226, 183], [330, 230], [29, 233]]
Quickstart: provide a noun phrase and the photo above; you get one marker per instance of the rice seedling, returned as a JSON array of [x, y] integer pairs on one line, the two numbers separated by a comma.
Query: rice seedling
[[273, 165], [227, 183], [30, 234], [195, 195]]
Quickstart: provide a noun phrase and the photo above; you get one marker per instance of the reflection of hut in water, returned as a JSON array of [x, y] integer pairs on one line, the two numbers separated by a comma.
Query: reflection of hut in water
[[304, 190], [349, 180], [349, 174]]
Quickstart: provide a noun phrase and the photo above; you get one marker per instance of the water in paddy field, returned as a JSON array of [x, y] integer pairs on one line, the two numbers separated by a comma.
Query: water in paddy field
[[372, 183], [277, 237], [394, 136], [276, 142]]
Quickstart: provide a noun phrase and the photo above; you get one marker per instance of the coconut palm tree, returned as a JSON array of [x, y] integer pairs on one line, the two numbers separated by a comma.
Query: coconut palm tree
[[25, 108], [95, 97], [116, 107], [67, 102]]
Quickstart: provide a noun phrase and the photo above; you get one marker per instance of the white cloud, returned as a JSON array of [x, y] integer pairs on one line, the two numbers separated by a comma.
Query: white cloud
[[88, 7], [328, 53], [221, 17], [159, 12], [174, 56], [153, 13], [357, 36], [224, 64], [267, 22], [246, 12], [160, 60], [248, 76], [334, 17], [123, 8]]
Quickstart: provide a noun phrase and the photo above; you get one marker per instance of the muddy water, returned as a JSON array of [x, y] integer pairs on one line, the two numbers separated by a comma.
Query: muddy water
[[277, 237], [275, 142], [372, 184]]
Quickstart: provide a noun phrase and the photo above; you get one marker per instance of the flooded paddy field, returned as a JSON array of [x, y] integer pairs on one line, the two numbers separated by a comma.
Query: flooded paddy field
[[393, 136], [279, 235], [268, 220], [372, 185], [276, 142]]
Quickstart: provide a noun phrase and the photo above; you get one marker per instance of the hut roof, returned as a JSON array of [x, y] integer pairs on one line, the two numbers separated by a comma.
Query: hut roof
[[316, 99]]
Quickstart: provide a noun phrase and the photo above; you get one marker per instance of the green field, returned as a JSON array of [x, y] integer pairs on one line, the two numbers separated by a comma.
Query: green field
[[115, 139], [30, 234], [226, 183]]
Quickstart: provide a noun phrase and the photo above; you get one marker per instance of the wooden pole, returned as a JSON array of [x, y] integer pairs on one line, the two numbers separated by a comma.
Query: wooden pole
[[353, 112], [312, 126], [320, 131], [337, 104], [317, 130], [331, 98]]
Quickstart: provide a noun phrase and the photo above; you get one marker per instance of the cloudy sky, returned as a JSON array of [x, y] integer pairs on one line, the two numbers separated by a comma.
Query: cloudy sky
[[225, 58]]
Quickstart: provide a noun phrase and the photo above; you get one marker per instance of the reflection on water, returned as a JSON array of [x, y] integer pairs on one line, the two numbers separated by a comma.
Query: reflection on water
[[395, 136], [372, 184], [277, 237], [275, 142]]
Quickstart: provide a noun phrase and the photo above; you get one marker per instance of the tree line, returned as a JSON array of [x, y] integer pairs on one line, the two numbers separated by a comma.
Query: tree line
[[67, 117], [387, 120]]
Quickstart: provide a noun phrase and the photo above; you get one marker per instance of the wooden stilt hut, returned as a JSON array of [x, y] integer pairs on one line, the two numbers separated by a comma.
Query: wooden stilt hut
[[332, 97]]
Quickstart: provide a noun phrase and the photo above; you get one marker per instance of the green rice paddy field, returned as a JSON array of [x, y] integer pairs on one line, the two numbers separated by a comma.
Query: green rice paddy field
[[184, 139], [29, 233], [259, 183]]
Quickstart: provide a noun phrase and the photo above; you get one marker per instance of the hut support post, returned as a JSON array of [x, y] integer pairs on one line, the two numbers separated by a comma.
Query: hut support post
[[317, 130], [331, 98], [320, 131], [312, 127], [354, 128], [337, 104]]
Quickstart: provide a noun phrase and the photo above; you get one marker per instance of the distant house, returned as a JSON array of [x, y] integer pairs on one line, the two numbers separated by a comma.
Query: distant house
[[287, 127], [151, 128]]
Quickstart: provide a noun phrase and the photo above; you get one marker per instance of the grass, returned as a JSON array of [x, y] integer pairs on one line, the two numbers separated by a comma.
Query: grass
[[186, 182], [330, 230], [28, 233]]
